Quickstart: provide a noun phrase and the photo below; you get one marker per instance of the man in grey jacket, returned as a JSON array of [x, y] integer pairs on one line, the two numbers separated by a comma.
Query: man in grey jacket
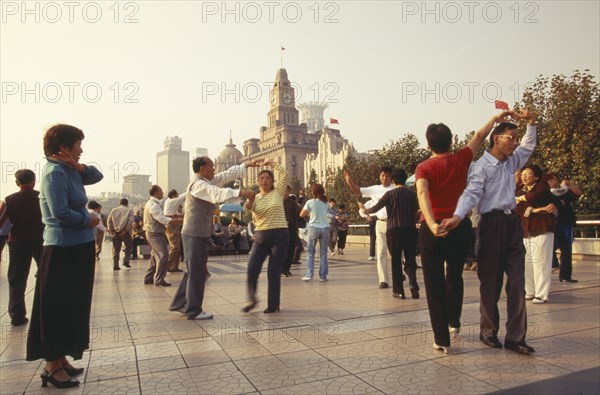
[[202, 196]]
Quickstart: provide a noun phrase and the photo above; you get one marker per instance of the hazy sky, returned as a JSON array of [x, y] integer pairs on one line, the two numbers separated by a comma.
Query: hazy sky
[[131, 73]]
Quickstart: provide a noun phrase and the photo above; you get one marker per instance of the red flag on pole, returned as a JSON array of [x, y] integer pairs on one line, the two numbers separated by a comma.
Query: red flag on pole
[[333, 120], [500, 105]]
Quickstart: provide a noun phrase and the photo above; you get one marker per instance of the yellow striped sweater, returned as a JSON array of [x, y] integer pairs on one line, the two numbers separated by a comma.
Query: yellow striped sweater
[[267, 210]]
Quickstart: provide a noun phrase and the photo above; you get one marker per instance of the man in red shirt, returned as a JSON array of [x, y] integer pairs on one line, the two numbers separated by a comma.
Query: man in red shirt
[[24, 241], [440, 181]]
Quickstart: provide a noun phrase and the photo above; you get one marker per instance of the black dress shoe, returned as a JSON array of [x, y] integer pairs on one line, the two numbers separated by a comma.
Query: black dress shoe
[[148, 282], [569, 280], [73, 371], [49, 377], [116, 268], [127, 265], [521, 348], [490, 341], [249, 307], [383, 285], [270, 310], [399, 295], [19, 322], [163, 283], [414, 293]]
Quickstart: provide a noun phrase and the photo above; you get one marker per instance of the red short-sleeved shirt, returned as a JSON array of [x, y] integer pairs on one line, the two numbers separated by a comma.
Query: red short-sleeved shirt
[[447, 178]]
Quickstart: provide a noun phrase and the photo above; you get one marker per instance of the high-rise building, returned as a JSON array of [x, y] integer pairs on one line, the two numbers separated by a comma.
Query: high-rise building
[[312, 115], [201, 152], [173, 166], [136, 185]]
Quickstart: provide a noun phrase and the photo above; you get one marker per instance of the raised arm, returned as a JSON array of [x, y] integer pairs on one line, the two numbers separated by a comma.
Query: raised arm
[[353, 187], [480, 136]]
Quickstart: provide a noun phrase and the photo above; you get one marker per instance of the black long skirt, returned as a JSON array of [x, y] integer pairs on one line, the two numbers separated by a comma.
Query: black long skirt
[[60, 318]]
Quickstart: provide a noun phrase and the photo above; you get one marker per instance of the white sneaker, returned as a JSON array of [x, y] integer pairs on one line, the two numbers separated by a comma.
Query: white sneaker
[[371, 258], [441, 348], [454, 334], [333, 253], [529, 297], [539, 301], [202, 316], [306, 278], [323, 279]]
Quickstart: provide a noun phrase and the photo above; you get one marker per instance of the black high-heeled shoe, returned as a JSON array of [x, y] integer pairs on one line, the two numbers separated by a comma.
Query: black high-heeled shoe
[[569, 280], [73, 371], [48, 377], [270, 310], [249, 307]]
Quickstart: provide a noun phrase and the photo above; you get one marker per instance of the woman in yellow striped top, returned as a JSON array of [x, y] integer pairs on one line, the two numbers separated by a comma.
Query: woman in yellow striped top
[[270, 237]]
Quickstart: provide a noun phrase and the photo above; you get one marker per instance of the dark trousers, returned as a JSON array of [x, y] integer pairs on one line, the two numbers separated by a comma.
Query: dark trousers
[[60, 318], [20, 255], [444, 291], [137, 241], [342, 235], [118, 240], [270, 243], [190, 294], [298, 249], [399, 241], [291, 247], [563, 240], [372, 237], [501, 250]]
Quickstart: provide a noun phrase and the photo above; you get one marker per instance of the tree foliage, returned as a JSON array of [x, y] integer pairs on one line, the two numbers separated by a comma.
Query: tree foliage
[[568, 141]]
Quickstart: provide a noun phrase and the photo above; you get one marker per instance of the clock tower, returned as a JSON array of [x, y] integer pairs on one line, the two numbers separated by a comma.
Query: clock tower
[[283, 101], [284, 140]]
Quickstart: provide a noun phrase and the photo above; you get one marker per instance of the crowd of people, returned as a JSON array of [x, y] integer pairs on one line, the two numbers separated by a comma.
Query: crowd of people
[[499, 215]]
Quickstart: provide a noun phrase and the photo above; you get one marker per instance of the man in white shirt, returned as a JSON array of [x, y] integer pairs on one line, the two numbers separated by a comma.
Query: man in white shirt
[[375, 192], [155, 225], [174, 230], [120, 224]]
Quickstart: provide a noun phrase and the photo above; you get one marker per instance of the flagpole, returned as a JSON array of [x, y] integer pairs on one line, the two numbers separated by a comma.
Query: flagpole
[[281, 55]]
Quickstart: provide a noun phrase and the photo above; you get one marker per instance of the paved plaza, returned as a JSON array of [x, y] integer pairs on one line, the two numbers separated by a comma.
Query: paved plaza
[[345, 336]]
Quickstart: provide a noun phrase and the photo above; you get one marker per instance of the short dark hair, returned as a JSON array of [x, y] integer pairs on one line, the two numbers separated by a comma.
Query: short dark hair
[[342, 206], [61, 134], [199, 162], [270, 173], [537, 171], [439, 137], [153, 190], [172, 193], [123, 202], [93, 205], [399, 176], [332, 200], [386, 169], [504, 126], [24, 176]]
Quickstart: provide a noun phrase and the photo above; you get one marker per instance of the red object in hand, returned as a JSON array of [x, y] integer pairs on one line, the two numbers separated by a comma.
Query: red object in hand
[[333, 120], [500, 105]]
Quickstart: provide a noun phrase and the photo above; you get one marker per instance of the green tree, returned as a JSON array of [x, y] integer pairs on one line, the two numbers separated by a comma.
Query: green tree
[[568, 140], [404, 153]]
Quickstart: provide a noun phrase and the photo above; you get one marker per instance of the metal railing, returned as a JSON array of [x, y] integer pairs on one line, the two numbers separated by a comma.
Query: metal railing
[[581, 231]]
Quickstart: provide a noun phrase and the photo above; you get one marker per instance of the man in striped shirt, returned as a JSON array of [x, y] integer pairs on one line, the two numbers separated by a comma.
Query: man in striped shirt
[[401, 206]]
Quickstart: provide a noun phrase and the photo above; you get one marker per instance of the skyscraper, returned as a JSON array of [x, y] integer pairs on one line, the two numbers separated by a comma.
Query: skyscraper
[[173, 166]]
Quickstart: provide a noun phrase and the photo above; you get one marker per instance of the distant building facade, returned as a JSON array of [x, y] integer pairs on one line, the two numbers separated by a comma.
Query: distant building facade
[[332, 152], [173, 166], [136, 185], [312, 115], [230, 156], [285, 140], [200, 152]]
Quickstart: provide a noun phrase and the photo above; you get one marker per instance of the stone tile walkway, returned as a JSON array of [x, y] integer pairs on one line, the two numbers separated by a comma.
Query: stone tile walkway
[[345, 336]]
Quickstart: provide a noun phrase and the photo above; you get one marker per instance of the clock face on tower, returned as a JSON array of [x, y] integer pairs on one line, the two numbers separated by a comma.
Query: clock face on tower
[[287, 97]]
